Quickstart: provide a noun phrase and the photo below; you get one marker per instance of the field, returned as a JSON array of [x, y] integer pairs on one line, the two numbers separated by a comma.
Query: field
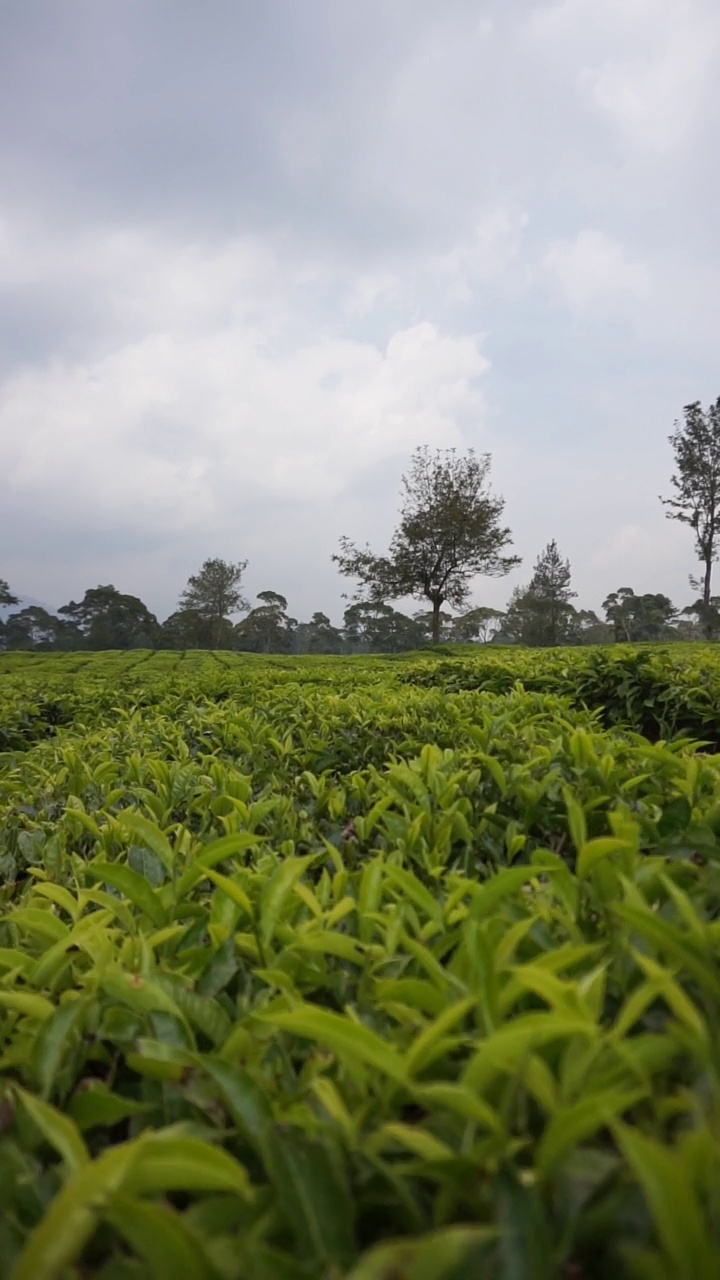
[[390, 969]]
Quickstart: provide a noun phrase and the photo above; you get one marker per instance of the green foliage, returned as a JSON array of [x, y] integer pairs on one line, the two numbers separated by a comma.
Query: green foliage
[[105, 619], [696, 485], [541, 613], [6, 595], [637, 618], [358, 968], [210, 596], [449, 531]]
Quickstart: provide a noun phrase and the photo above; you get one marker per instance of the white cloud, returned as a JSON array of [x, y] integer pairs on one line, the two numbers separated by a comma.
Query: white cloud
[[593, 267], [654, 97], [210, 398], [368, 291], [486, 254], [645, 64]]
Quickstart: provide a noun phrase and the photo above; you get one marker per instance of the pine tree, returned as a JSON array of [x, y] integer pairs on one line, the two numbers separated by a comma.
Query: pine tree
[[541, 613]]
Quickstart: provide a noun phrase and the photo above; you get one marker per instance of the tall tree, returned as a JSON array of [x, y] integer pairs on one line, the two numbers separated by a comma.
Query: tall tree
[[6, 595], [637, 618], [449, 531], [435, 628], [541, 613], [479, 626], [696, 482], [547, 599], [705, 617], [267, 628], [378, 628], [35, 628], [109, 619], [214, 593], [318, 636]]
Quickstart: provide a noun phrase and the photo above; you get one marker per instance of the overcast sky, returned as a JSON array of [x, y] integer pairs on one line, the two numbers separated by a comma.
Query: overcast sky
[[253, 252]]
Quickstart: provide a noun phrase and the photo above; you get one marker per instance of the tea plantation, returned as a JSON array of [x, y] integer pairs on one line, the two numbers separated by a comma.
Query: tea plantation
[[400, 969]]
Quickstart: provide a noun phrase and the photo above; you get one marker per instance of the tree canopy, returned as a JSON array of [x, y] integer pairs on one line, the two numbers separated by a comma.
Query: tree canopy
[[108, 619], [214, 594], [541, 613], [636, 618], [267, 628], [449, 532], [696, 484], [6, 595]]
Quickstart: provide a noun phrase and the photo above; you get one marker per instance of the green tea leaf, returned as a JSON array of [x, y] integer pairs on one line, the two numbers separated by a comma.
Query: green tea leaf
[[168, 1249], [449, 1254], [312, 1196], [57, 1129], [573, 1124], [150, 834], [169, 1163], [133, 886], [675, 1209], [276, 892], [62, 1234], [351, 1042]]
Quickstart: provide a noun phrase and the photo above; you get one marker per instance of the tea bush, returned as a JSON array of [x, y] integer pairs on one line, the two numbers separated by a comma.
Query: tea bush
[[359, 968]]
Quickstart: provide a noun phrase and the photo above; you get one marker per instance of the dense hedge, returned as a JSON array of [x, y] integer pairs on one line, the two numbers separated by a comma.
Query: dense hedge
[[386, 970]]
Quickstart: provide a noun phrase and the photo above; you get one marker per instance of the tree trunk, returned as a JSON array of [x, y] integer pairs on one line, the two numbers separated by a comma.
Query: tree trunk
[[706, 597], [436, 621]]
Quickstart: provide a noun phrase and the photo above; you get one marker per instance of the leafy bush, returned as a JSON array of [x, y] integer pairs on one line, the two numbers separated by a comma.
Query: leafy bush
[[307, 972]]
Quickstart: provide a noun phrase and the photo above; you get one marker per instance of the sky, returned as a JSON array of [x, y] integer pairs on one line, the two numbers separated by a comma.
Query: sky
[[253, 253]]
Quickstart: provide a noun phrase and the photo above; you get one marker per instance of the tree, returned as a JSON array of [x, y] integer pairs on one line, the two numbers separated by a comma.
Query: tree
[[188, 629], [318, 636], [449, 531], [378, 628], [479, 626], [108, 619], [35, 628], [6, 595], [434, 628], [696, 502], [267, 628], [636, 618], [704, 618], [590, 630], [543, 608], [214, 593]]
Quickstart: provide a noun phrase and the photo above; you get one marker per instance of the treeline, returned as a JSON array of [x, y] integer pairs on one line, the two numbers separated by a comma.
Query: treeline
[[449, 532], [540, 614]]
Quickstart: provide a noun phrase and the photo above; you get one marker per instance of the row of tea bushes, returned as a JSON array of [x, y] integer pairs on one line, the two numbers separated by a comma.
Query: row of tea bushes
[[310, 972]]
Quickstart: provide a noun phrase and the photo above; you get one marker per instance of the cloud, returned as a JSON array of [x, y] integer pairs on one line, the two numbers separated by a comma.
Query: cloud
[[654, 89], [215, 392], [592, 267], [485, 254], [248, 265]]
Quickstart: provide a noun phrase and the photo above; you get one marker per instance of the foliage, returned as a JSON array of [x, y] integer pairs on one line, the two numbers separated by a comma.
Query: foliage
[[35, 628], [6, 595], [212, 594], [541, 613], [374, 627], [267, 628], [449, 531], [637, 618], [479, 626], [288, 990], [696, 483], [318, 636], [108, 619]]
